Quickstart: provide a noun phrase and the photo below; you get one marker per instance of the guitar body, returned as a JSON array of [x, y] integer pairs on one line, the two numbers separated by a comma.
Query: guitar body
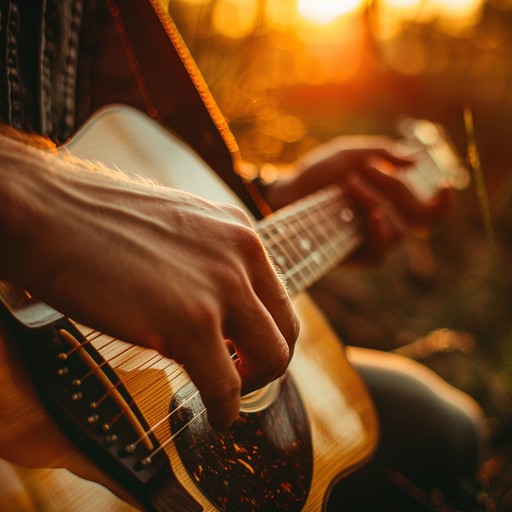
[[48, 472], [339, 426]]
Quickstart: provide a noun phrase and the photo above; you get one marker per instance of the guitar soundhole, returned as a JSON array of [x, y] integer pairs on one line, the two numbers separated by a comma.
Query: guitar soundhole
[[264, 462]]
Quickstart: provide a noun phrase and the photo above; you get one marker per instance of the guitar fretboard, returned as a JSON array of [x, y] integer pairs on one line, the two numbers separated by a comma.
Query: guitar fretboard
[[311, 237]]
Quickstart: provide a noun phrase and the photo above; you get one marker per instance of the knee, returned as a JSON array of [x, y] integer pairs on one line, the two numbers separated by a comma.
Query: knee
[[419, 409]]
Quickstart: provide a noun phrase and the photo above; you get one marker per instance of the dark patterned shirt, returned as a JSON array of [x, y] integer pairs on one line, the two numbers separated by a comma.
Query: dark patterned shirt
[[40, 53]]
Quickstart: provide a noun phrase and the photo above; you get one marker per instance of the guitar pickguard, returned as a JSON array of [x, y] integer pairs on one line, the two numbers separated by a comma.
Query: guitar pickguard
[[264, 462]]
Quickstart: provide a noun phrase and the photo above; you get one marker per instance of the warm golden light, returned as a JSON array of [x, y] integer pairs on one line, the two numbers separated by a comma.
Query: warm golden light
[[235, 18], [421, 10], [282, 13], [454, 16], [462, 12], [403, 3], [325, 11]]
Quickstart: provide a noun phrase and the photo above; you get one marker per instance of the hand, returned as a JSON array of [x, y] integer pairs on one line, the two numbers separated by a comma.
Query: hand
[[150, 265], [365, 167]]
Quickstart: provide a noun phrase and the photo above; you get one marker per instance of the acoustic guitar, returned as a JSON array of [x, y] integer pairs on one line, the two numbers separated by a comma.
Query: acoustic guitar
[[123, 418]]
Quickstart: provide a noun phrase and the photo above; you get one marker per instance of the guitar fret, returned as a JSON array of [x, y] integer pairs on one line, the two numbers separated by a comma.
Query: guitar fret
[[321, 254], [273, 239], [309, 238], [302, 244], [327, 256]]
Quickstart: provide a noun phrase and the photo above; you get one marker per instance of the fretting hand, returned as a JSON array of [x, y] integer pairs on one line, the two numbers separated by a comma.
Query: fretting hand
[[365, 167]]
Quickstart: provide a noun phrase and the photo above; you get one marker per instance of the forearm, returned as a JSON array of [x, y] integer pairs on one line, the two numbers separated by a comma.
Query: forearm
[[139, 261], [40, 191], [23, 175]]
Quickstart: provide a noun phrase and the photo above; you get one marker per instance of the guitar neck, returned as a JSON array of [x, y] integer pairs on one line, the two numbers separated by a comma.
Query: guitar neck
[[310, 238]]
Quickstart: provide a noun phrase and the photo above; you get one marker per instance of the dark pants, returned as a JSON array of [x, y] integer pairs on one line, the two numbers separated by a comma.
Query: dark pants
[[429, 442]]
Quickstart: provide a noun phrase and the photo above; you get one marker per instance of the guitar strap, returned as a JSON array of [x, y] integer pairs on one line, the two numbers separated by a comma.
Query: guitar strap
[[175, 93]]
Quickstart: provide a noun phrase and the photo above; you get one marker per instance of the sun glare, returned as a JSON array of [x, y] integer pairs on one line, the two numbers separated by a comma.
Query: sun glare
[[324, 21], [325, 11]]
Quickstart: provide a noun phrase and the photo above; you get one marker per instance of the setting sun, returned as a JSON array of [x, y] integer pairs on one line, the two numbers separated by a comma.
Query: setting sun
[[325, 11]]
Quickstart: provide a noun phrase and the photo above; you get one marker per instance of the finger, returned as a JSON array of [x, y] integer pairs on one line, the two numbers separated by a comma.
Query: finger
[[214, 373], [385, 230], [271, 291], [404, 199], [363, 193], [383, 225], [263, 352], [439, 205], [389, 156], [382, 231]]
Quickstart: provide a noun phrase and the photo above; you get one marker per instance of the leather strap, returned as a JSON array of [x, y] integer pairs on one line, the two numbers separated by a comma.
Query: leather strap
[[174, 91]]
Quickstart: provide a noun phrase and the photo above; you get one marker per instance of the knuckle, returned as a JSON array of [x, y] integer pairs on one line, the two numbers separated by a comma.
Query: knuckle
[[205, 316], [292, 321], [249, 246], [236, 282], [279, 364], [294, 329], [238, 214], [249, 238]]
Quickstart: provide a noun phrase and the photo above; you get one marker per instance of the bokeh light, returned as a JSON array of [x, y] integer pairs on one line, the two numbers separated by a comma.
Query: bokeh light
[[235, 18], [325, 11]]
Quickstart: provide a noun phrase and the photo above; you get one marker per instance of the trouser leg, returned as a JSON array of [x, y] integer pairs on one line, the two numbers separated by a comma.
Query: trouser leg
[[430, 439]]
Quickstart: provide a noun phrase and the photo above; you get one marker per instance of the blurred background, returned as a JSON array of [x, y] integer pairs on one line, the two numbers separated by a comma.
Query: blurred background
[[290, 74]]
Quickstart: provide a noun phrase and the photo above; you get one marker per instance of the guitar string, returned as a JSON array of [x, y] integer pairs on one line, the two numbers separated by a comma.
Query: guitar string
[[330, 253], [165, 441], [293, 274], [179, 370], [344, 229], [156, 425], [295, 235], [285, 218], [116, 385], [153, 428], [318, 230]]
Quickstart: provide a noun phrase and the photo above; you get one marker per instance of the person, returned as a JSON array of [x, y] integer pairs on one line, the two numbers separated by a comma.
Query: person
[[79, 238]]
